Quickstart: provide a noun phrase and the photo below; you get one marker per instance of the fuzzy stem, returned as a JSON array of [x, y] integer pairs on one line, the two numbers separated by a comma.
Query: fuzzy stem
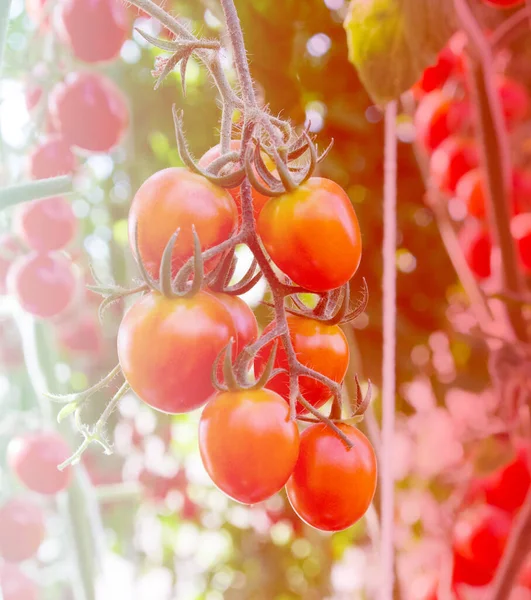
[[389, 350], [35, 190], [4, 20], [495, 157]]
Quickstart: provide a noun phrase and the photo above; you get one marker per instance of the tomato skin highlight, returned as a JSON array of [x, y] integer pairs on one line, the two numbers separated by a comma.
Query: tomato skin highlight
[[176, 198], [318, 346], [167, 349], [248, 445], [21, 530], [312, 234], [15, 585], [332, 486]]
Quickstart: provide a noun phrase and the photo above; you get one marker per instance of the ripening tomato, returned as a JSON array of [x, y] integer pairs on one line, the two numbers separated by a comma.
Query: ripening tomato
[[470, 190], [34, 459], [321, 347], [15, 585], [21, 529], [332, 486], [454, 157], [47, 224], [44, 284], [476, 243], [313, 235], [504, 3], [167, 349], [81, 22], [90, 112], [259, 200], [514, 99], [9, 251], [479, 540], [248, 444], [52, 157], [243, 318], [437, 117], [81, 334], [521, 232], [176, 198]]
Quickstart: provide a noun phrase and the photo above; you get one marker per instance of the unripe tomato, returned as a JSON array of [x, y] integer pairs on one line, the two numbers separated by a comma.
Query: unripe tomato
[[521, 232], [167, 349], [9, 251], [514, 100], [21, 530], [90, 112], [313, 235], [504, 3], [259, 200], [44, 284], [332, 486], [451, 160], [470, 190], [248, 444], [47, 224], [321, 347], [174, 199], [437, 117], [15, 585], [479, 540], [34, 459], [243, 318], [52, 157], [81, 22], [476, 243]]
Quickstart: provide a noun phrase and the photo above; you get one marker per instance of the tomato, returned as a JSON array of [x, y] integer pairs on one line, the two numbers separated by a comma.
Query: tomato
[[33, 94], [90, 111], [476, 243], [15, 585], [435, 76], [454, 157], [34, 459], [248, 444], [437, 117], [521, 231], [470, 190], [318, 346], [174, 199], [167, 349], [81, 335], [52, 157], [504, 3], [514, 100], [189, 510], [332, 486], [81, 22], [479, 540], [47, 224], [21, 530], [9, 250], [313, 235], [44, 284], [36, 11], [243, 319], [259, 200], [521, 191]]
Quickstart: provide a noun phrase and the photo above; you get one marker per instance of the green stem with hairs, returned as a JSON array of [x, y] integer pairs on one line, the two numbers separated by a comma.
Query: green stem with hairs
[[35, 190]]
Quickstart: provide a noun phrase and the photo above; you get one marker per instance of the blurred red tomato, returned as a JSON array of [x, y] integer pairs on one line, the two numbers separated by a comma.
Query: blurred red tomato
[[21, 529], [476, 243], [454, 157], [52, 157], [15, 585]]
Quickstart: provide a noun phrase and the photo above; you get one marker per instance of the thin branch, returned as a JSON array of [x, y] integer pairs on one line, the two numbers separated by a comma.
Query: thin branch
[[35, 190]]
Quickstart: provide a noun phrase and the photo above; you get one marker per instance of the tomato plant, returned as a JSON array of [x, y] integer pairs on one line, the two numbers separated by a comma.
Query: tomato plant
[[21, 530], [248, 444]]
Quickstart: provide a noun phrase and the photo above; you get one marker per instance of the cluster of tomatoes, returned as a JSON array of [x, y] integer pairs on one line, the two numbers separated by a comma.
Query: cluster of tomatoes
[[32, 459], [168, 344]]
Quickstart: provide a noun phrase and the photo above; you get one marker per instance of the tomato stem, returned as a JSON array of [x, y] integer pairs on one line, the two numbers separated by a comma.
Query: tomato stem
[[35, 190]]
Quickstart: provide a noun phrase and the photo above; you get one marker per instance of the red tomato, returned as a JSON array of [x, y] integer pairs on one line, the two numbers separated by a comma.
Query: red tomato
[[476, 243], [47, 224], [167, 349], [177, 198], [21, 530], [34, 459], [437, 117], [514, 100], [15, 585], [318, 346], [81, 22], [259, 200], [52, 157], [479, 540], [470, 189], [504, 3], [81, 335], [434, 77], [332, 486], [521, 231], [521, 191], [291, 226], [44, 284], [248, 444], [9, 250], [89, 111], [189, 510], [243, 318], [453, 158]]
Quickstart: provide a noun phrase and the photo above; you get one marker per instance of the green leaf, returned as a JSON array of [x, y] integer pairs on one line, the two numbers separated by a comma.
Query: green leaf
[[391, 42], [67, 410]]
